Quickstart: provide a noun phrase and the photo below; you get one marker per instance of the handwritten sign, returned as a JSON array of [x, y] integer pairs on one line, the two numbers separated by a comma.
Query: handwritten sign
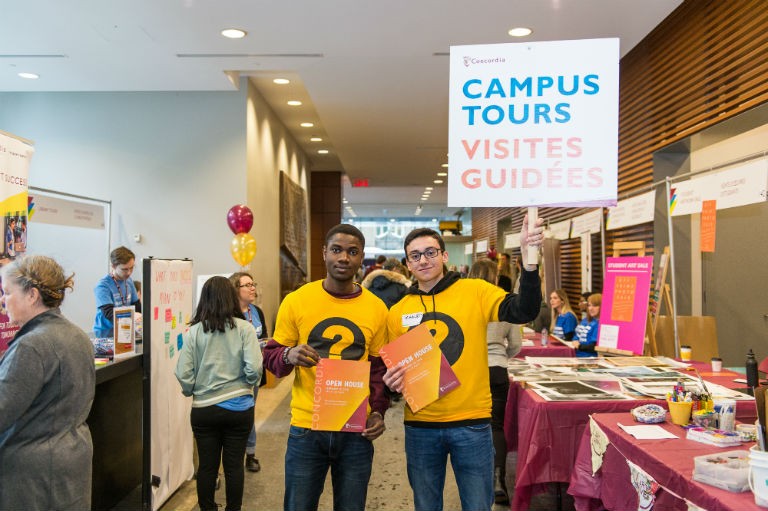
[[534, 124], [708, 224]]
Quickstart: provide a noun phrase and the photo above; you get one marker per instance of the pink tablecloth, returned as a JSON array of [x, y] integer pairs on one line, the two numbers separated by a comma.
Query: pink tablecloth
[[546, 434], [552, 349], [669, 462]]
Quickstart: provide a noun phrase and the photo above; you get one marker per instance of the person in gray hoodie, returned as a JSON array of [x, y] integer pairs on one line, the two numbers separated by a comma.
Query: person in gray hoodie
[[219, 364], [47, 384]]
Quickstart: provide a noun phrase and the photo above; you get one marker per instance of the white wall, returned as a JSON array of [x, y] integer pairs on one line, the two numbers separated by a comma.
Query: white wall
[[172, 163]]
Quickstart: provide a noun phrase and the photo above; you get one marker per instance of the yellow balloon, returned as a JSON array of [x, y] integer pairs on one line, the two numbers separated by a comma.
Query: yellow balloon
[[243, 248]]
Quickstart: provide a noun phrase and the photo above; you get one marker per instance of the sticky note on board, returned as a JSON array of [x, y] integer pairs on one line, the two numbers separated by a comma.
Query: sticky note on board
[[171, 351], [173, 322], [179, 342], [167, 337], [157, 313], [168, 315]]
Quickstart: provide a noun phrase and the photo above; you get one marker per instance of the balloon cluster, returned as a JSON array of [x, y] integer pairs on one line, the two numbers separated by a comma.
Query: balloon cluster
[[243, 246]]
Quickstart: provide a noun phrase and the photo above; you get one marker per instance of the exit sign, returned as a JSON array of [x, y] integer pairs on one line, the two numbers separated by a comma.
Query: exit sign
[[360, 183]]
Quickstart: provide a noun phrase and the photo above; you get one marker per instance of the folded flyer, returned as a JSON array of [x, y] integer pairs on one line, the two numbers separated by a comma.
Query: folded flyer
[[428, 375], [341, 395]]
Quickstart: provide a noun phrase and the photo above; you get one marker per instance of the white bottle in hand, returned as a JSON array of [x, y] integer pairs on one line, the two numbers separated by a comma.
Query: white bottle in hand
[[544, 337]]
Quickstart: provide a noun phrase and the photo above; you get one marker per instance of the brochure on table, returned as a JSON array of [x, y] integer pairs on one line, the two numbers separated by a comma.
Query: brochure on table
[[124, 332], [428, 375], [341, 395]]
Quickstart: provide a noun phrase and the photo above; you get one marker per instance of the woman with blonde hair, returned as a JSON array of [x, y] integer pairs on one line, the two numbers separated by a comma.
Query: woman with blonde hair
[[564, 321], [47, 384], [504, 342]]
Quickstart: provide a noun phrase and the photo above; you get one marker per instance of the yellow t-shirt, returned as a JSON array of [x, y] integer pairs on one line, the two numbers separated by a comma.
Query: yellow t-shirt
[[459, 324], [345, 328]]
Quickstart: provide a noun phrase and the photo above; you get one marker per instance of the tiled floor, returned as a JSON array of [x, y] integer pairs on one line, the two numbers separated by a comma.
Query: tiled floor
[[388, 489]]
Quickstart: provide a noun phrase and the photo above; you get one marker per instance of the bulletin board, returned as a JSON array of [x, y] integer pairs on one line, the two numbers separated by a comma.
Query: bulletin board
[[624, 308], [167, 308]]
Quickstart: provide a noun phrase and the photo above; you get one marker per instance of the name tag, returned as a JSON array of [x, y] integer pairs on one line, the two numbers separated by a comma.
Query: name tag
[[412, 319]]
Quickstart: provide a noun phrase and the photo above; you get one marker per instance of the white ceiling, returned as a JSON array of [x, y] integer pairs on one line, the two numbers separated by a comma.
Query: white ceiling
[[373, 77]]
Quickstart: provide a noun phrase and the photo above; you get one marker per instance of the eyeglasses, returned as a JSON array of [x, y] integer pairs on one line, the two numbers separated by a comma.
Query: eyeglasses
[[430, 252], [250, 284]]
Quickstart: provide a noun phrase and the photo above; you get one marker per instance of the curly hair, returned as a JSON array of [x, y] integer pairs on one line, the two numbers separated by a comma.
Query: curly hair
[[41, 273]]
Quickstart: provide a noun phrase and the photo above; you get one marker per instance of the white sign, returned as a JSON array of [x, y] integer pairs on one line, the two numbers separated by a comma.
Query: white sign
[[482, 246], [737, 186], [561, 230], [468, 249], [534, 124], [15, 156], [56, 211], [512, 240], [633, 211], [586, 223]]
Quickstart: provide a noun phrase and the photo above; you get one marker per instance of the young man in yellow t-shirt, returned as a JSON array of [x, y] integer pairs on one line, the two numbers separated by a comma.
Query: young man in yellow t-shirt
[[458, 312], [333, 317]]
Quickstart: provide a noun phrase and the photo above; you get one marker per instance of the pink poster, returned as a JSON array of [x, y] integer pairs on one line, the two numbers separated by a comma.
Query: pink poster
[[624, 310]]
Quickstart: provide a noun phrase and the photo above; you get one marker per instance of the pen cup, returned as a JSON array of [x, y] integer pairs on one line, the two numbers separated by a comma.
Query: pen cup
[[680, 412], [685, 353]]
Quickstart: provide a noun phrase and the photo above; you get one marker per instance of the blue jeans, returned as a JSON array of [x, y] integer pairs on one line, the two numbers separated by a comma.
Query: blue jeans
[[471, 451], [250, 446], [307, 459]]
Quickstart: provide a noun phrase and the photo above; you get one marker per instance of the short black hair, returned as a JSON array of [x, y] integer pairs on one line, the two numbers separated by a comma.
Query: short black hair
[[345, 229], [421, 232]]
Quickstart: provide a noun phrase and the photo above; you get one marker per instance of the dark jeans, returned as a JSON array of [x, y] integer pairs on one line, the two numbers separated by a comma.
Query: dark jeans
[[221, 436], [499, 390], [307, 459]]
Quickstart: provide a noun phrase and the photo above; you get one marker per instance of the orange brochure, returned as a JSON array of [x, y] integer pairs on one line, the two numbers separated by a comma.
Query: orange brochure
[[341, 395], [428, 375]]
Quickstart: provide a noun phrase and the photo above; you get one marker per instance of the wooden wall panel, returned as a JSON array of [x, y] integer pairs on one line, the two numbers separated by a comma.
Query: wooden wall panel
[[705, 63]]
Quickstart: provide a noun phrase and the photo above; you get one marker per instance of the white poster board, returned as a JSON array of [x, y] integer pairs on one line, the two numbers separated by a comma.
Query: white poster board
[[168, 286], [534, 124], [633, 211], [737, 186]]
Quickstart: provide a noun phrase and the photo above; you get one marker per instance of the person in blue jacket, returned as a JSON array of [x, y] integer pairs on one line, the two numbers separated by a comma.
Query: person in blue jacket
[[586, 332], [563, 319], [246, 295], [115, 290]]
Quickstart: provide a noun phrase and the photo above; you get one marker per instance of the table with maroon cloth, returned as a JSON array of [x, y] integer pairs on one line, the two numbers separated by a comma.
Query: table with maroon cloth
[[669, 462], [552, 349], [546, 434]]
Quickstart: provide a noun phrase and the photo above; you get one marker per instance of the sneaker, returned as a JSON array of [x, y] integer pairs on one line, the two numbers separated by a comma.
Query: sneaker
[[252, 463]]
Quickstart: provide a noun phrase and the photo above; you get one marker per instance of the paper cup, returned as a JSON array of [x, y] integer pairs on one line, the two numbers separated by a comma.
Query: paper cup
[[685, 353], [717, 364], [680, 412]]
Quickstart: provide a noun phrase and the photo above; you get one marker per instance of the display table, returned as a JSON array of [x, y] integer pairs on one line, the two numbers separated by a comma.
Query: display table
[[115, 424], [669, 462], [552, 349], [546, 434]]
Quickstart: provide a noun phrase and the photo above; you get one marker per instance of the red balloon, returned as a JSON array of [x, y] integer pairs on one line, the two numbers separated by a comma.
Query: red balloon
[[240, 218]]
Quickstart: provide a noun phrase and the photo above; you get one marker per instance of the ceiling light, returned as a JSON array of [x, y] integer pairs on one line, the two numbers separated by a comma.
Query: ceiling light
[[444, 165], [391, 219], [442, 174], [307, 125], [281, 81], [322, 151], [294, 102], [520, 32], [29, 76], [233, 33], [428, 188], [316, 139], [438, 181], [434, 219]]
